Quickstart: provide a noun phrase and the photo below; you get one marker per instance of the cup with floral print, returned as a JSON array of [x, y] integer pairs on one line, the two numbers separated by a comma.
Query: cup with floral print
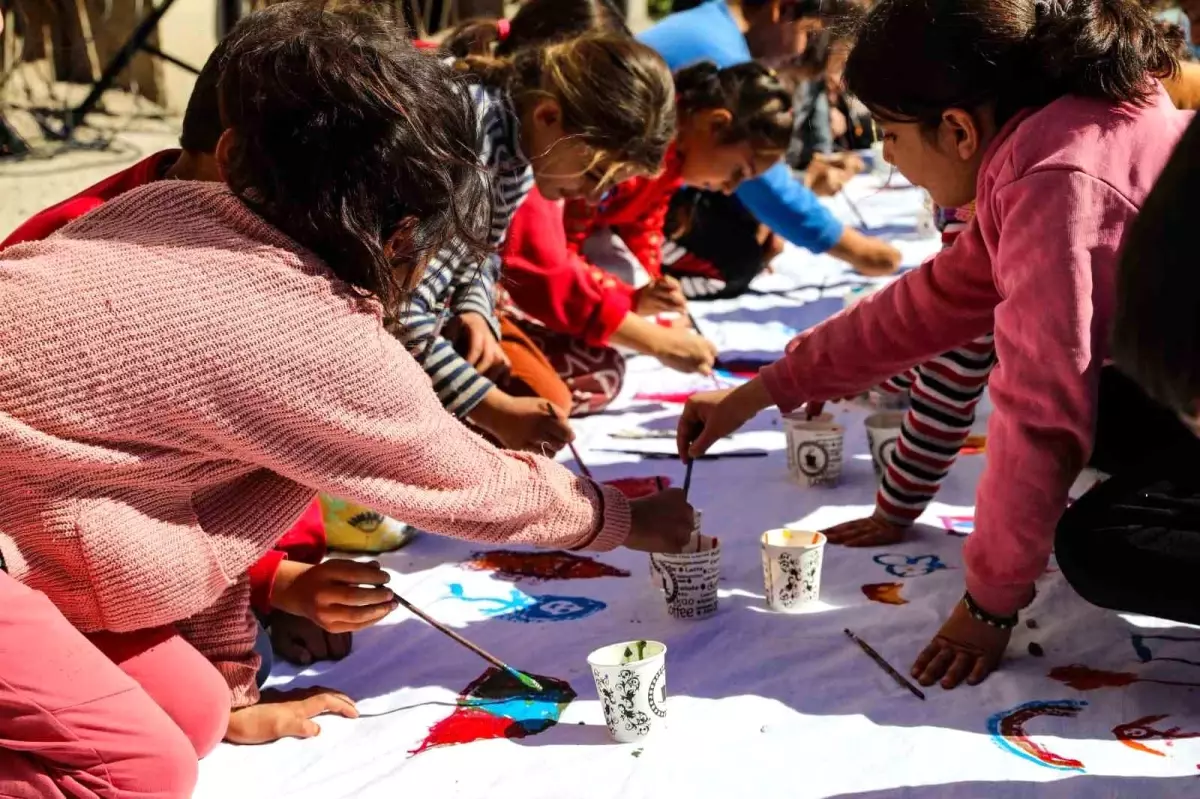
[[631, 680], [792, 568]]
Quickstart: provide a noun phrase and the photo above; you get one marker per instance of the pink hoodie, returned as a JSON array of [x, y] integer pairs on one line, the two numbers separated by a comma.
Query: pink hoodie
[[1056, 191]]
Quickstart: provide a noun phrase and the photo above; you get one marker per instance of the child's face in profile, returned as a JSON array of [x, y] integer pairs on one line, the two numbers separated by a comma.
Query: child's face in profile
[[564, 167], [712, 165], [943, 160]]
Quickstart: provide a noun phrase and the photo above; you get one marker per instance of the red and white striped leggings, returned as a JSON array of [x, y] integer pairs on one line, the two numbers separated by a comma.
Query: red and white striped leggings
[[944, 392]]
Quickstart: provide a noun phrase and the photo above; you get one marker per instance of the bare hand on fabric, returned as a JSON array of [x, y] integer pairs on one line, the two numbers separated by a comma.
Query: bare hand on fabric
[[712, 415], [477, 344], [664, 295], [661, 522], [685, 351], [302, 641], [286, 714], [964, 649], [869, 256], [872, 531], [340, 596]]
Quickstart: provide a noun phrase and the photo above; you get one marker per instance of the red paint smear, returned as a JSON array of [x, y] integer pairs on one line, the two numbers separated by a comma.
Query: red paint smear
[[515, 565], [1013, 728], [467, 724], [638, 487], [1132, 733], [679, 397], [887, 593], [1083, 678]]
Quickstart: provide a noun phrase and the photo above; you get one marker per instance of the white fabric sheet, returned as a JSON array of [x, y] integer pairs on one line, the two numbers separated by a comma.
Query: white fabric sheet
[[759, 704]]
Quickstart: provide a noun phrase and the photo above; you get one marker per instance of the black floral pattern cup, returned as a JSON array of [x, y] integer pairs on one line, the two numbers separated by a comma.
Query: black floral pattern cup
[[631, 681], [883, 433], [792, 568]]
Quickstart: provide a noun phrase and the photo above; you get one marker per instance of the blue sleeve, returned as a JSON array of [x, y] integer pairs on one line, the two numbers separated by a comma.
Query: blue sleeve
[[788, 208]]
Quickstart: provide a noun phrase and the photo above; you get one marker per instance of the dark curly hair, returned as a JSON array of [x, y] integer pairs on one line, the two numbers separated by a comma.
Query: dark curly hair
[[761, 106], [352, 142]]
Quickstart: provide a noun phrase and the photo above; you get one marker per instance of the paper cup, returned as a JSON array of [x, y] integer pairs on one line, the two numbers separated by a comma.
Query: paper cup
[[689, 579], [814, 449], [883, 432], [882, 400], [631, 680], [792, 568]]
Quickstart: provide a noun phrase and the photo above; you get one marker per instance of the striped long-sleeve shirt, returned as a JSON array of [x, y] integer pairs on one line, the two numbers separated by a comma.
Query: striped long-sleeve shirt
[[454, 285]]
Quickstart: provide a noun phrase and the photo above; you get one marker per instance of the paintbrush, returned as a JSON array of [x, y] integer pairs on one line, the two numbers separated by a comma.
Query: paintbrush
[[696, 326], [582, 466], [708, 456], [687, 478], [883, 664], [521, 677], [861, 219]]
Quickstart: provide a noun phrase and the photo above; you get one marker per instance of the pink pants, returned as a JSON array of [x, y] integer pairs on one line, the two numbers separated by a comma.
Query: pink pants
[[114, 716]]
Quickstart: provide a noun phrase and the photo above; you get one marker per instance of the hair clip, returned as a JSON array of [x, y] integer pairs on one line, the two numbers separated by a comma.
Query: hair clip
[[503, 26]]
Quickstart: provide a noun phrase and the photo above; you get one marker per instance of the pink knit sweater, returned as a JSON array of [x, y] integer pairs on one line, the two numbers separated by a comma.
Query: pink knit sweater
[[177, 378], [1057, 190]]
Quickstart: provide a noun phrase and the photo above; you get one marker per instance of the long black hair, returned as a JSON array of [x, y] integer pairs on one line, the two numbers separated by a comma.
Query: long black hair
[[352, 142]]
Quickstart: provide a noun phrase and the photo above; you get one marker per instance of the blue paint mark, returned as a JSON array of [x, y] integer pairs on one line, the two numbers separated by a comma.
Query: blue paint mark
[[520, 607], [556, 608], [900, 565]]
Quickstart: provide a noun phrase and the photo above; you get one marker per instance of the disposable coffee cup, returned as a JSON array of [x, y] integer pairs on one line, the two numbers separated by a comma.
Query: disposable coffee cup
[[689, 579], [883, 400], [631, 681], [814, 449], [792, 568], [883, 434]]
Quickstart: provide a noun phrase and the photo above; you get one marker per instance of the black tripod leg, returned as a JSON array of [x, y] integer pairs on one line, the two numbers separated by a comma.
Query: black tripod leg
[[133, 44]]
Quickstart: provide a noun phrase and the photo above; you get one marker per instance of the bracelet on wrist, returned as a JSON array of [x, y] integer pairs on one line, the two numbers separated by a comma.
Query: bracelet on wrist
[[979, 614]]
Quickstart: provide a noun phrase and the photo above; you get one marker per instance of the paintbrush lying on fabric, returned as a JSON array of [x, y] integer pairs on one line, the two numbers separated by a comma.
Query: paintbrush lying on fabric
[[521, 677], [671, 456], [883, 664]]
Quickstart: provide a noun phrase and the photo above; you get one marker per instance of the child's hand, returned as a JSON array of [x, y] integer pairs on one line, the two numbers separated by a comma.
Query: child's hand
[[664, 295], [965, 648], [869, 256], [286, 714], [528, 424], [684, 351], [711, 415], [661, 522], [872, 531], [331, 594], [299, 640], [475, 341]]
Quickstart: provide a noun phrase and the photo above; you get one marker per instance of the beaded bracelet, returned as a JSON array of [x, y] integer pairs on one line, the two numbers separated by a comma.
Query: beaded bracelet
[[979, 614]]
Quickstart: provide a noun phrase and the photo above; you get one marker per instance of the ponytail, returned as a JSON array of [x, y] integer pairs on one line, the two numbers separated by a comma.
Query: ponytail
[[615, 93], [474, 37], [913, 59], [759, 104]]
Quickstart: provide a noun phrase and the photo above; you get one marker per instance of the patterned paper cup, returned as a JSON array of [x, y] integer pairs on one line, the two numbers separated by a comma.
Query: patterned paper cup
[[814, 449], [883, 433], [631, 680], [792, 568], [689, 579], [883, 400]]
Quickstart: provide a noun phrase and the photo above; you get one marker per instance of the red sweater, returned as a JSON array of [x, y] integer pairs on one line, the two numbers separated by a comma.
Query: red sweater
[[555, 286], [635, 210], [305, 540]]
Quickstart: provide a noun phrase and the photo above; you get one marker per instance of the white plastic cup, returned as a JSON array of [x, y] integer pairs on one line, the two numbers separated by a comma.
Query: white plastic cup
[[883, 434], [814, 448], [631, 681], [689, 579], [792, 562]]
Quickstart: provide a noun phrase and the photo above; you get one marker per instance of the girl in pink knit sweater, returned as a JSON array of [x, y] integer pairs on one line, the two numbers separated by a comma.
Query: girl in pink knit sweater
[[1048, 114], [186, 365]]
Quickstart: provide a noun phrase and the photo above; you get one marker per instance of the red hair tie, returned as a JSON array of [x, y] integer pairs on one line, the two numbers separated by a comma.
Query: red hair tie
[[502, 28]]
